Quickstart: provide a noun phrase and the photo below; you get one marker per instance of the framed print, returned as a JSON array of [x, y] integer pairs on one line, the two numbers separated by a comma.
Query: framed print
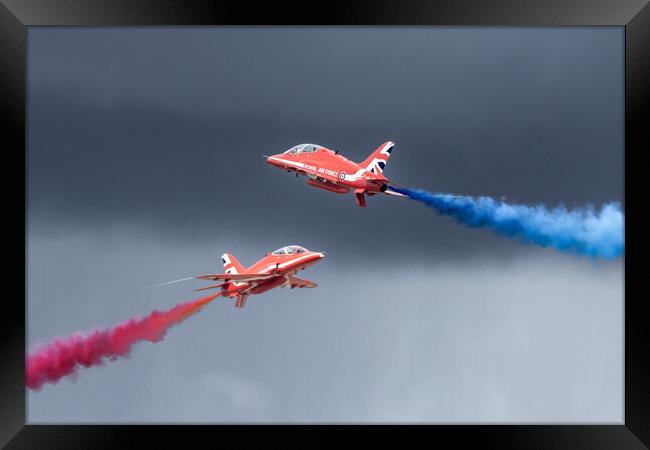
[[354, 213]]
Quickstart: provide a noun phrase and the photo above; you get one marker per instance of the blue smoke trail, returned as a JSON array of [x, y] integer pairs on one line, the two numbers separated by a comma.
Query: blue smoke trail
[[583, 231]]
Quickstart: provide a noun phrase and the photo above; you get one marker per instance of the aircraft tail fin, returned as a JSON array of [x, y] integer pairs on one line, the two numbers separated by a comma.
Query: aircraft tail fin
[[378, 159], [231, 265]]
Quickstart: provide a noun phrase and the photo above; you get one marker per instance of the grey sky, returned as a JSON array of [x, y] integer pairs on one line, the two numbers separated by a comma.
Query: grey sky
[[144, 166]]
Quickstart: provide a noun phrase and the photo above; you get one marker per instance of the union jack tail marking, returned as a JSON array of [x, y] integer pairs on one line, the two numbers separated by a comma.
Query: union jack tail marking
[[231, 265], [376, 162]]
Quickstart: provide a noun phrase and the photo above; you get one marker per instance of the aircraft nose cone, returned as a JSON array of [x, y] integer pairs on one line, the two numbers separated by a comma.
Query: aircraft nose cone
[[273, 160]]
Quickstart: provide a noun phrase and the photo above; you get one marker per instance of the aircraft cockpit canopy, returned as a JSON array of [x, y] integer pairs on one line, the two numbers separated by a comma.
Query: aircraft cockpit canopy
[[290, 250], [303, 148]]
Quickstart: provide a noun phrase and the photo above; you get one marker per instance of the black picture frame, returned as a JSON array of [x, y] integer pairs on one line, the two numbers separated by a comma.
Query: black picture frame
[[634, 15]]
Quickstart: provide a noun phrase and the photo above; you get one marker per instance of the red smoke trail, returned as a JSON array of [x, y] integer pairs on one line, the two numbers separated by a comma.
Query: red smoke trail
[[61, 357]]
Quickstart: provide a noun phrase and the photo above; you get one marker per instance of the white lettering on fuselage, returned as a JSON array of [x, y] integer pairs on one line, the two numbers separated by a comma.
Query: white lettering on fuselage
[[330, 172], [319, 170]]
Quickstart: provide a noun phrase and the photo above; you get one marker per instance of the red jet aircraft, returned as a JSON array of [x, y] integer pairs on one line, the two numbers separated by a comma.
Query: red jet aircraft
[[330, 171], [276, 269]]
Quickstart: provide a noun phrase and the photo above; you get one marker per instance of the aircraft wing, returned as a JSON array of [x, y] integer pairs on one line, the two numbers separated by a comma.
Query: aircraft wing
[[212, 286], [295, 282], [243, 277]]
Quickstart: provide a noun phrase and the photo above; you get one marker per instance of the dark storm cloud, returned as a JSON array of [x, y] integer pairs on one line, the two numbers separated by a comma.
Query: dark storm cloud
[[166, 129]]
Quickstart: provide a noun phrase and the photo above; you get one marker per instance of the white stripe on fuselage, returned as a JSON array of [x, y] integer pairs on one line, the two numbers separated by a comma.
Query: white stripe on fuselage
[[348, 177], [355, 176], [284, 264], [293, 163]]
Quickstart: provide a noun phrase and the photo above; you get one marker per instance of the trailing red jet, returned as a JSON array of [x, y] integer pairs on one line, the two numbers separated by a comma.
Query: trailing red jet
[[276, 269], [328, 170]]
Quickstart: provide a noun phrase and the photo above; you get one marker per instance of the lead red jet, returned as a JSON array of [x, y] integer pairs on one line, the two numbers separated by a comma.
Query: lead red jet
[[328, 170], [276, 269]]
